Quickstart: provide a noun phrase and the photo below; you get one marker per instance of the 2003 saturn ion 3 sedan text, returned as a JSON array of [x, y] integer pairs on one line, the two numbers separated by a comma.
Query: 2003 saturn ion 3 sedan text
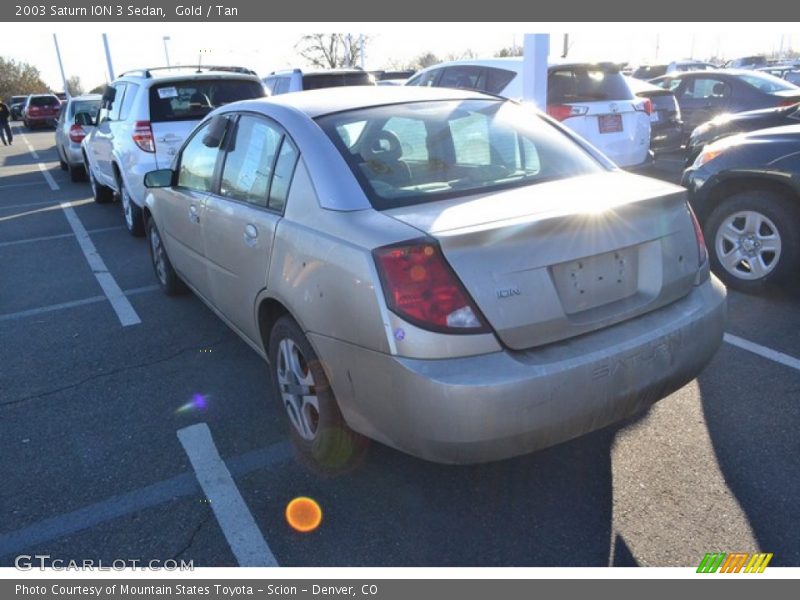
[[451, 274]]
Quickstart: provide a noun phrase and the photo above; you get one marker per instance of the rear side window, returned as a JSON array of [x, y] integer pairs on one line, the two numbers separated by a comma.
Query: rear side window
[[577, 84], [282, 177], [127, 102], [426, 151], [44, 101], [427, 79], [705, 88], [249, 162], [766, 83], [326, 80], [193, 99]]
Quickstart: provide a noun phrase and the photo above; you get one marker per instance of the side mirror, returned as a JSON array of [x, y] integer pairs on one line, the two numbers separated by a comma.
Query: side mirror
[[159, 179], [108, 95], [215, 132], [84, 118]]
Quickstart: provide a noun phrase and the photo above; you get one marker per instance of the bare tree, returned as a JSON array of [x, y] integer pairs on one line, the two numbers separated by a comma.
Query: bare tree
[[74, 86], [509, 51], [330, 50]]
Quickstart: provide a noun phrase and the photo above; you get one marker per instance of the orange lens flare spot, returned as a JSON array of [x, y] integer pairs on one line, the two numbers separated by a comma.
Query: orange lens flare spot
[[303, 514]]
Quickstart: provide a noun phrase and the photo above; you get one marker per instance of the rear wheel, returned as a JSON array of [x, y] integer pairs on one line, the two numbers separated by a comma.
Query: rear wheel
[[168, 279], [102, 194], [317, 427], [754, 239], [134, 218], [76, 173], [61, 162]]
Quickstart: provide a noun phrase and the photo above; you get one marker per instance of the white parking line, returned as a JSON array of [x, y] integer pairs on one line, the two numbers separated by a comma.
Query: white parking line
[[779, 357], [124, 309], [58, 236], [48, 178], [244, 537]]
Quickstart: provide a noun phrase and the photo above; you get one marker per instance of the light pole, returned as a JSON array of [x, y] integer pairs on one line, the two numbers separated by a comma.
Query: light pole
[[61, 66], [166, 38]]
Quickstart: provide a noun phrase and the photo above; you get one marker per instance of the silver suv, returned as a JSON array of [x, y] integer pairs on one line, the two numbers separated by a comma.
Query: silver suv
[[295, 80], [144, 117]]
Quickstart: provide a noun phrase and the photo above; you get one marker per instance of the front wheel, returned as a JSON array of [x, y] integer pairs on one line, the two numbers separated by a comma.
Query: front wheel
[[134, 218], [168, 279], [753, 239], [317, 427]]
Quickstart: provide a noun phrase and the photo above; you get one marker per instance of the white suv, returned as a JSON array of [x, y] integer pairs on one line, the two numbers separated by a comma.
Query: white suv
[[144, 118], [592, 99]]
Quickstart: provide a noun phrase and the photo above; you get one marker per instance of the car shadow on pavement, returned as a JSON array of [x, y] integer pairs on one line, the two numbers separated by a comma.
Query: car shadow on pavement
[[551, 508], [754, 433]]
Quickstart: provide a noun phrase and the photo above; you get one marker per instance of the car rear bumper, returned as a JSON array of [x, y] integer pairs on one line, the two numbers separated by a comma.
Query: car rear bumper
[[41, 120], [499, 405], [666, 138]]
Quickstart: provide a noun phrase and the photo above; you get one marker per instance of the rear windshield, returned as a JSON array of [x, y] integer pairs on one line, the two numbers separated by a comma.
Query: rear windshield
[[650, 71], [576, 84], [194, 99], [316, 81], [85, 106], [471, 77], [767, 83], [425, 151], [44, 101]]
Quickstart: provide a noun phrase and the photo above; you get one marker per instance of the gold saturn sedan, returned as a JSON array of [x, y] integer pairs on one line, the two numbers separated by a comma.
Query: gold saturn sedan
[[452, 274]]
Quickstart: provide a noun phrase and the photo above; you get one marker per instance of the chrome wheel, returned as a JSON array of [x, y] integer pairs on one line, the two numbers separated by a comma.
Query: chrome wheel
[[159, 258], [298, 389], [748, 245]]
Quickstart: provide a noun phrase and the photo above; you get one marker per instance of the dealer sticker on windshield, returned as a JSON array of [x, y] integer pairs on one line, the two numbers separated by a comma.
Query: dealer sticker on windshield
[[167, 92]]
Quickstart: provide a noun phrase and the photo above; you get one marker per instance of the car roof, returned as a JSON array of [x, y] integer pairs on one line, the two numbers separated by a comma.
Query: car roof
[[515, 63], [178, 74], [315, 103], [87, 97]]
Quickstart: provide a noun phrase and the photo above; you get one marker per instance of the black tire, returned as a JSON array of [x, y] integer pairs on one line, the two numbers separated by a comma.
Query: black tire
[[333, 447], [102, 194], [132, 214], [169, 281], [76, 173], [62, 163], [776, 216]]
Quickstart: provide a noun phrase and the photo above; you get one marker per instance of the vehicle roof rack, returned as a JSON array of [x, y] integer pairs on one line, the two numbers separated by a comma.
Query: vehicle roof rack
[[148, 73]]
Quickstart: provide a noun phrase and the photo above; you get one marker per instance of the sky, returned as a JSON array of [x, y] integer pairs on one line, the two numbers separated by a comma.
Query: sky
[[265, 47]]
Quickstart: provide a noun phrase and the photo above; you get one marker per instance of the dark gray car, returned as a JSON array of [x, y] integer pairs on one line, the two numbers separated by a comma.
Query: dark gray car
[[702, 95]]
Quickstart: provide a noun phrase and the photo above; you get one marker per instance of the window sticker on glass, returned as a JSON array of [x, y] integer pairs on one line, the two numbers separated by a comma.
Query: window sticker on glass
[[167, 92]]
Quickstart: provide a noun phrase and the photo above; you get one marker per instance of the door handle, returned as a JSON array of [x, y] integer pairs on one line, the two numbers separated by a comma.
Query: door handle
[[250, 235], [193, 216]]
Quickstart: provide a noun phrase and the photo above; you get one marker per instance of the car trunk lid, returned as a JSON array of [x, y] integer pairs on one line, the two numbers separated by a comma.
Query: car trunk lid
[[559, 259]]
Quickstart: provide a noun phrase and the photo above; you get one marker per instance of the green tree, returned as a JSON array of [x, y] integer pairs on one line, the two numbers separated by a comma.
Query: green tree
[[19, 78]]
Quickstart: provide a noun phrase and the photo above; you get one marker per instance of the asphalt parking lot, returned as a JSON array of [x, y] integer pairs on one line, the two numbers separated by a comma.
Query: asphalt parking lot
[[98, 385]]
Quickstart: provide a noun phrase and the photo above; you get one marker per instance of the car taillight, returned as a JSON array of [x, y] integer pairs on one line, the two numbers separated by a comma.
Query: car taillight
[[33, 109], [420, 287], [788, 102], [564, 111], [143, 136], [645, 106], [702, 251], [76, 134]]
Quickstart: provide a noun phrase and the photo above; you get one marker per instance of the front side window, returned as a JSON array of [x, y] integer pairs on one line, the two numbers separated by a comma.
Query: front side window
[[197, 162], [425, 151], [127, 101], [250, 160], [115, 105]]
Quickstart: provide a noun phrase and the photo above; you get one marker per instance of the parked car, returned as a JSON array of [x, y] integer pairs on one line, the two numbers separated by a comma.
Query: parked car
[[789, 73], [705, 94], [40, 110], [646, 72], [15, 105], [296, 80], [592, 99], [745, 190], [447, 272], [666, 127], [731, 123], [747, 62], [76, 120], [144, 117], [392, 75]]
